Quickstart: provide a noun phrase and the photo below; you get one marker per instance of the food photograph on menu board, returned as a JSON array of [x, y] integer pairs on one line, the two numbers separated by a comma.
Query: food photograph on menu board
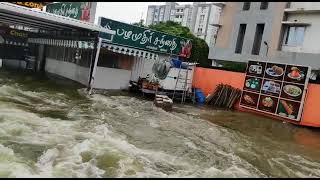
[[256, 68], [296, 74], [288, 109], [292, 91], [271, 87], [249, 99], [274, 71], [275, 88], [268, 103], [252, 84]]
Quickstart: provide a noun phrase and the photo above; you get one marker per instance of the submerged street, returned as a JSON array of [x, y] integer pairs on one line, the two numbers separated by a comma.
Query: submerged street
[[52, 130]]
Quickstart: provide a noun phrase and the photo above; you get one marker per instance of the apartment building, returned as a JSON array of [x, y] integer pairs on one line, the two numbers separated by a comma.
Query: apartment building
[[272, 31], [199, 17]]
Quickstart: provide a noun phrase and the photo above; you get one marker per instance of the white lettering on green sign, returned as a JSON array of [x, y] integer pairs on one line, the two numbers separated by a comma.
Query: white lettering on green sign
[[145, 37], [66, 10], [142, 38]]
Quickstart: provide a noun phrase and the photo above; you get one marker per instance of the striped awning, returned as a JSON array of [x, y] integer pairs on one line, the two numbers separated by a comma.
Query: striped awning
[[63, 43], [13, 41], [130, 51]]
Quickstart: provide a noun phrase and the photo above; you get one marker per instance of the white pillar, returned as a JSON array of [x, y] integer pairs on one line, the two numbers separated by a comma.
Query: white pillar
[[95, 64]]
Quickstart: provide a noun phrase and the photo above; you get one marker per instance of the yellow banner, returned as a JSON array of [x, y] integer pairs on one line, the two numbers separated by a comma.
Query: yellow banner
[[38, 5]]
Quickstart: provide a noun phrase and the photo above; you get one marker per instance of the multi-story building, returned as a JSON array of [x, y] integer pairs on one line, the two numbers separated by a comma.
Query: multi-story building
[[198, 17], [273, 31]]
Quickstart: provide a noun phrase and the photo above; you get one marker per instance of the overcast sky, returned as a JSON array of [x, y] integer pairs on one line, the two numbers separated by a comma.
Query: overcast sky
[[128, 12]]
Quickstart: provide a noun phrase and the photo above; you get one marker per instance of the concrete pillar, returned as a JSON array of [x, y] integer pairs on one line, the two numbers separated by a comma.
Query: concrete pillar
[[41, 60]]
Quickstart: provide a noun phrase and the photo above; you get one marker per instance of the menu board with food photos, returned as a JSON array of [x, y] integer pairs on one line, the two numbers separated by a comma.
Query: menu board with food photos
[[275, 88]]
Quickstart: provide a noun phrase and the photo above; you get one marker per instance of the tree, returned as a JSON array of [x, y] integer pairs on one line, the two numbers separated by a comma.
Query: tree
[[140, 24], [200, 49]]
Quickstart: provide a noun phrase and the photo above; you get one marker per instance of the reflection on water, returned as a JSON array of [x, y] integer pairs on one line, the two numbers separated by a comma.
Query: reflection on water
[[50, 130]]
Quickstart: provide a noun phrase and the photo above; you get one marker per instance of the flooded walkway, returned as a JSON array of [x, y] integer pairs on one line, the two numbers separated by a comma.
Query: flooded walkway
[[50, 130]]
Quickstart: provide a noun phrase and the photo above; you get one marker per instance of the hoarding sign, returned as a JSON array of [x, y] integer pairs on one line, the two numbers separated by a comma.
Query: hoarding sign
[[275, 88], [145, 39], [38, 5], [76, 10], [8, 33]]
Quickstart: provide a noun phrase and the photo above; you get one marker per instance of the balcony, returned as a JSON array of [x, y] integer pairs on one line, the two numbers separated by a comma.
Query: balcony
[[216, 24], [296, 23], [219, 4], [303, 7]]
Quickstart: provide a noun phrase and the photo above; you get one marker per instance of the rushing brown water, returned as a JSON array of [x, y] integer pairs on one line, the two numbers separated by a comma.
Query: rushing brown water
[[50, 130]]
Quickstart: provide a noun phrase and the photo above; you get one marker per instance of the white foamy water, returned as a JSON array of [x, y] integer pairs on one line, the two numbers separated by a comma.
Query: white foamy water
[[51, 132]]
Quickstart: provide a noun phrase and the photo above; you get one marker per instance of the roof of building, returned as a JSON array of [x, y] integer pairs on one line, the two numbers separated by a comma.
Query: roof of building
[[18, 15]]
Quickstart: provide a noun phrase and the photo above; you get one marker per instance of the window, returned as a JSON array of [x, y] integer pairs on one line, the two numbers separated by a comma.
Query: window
[[257, 39], [241, 33], [12, 52], [86, 56], [199, 30], [264, 5], [69, 54], [246, 6], [294, 35], [202, 9], [288, 4], [115, 60], [201, 17]]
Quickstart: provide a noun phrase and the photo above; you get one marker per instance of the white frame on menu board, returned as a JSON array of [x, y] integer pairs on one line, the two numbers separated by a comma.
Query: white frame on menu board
[[279, 97]]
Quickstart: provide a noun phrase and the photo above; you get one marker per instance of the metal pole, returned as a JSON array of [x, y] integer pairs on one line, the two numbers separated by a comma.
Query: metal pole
[[267, 47], [95, 64]]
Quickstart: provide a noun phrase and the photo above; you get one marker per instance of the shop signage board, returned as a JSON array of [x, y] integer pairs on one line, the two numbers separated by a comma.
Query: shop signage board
[[37, 5], [274, 88], [76, 10], [145, 39], [13, 36]]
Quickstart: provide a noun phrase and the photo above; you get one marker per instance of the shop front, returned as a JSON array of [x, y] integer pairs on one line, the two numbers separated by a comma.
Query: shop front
[[14, 48], [131, 53], [55, 44]]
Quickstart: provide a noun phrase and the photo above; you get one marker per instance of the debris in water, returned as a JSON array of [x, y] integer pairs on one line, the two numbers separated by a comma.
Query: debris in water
[[224, 96], [163, 102]]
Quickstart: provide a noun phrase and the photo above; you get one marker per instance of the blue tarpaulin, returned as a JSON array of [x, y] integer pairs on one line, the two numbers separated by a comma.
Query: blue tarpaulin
[[176, 63]]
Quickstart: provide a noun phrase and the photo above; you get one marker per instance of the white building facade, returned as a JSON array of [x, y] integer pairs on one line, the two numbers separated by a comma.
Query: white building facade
[[284, 32], [199, 17], [301, 27]]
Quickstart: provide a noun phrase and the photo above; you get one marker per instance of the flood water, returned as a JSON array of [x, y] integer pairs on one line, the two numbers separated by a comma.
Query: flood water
[[51, 130]]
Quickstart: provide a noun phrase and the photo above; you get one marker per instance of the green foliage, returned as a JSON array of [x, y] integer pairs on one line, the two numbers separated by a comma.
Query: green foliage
[[140, 24], [234, 66], [200, 49]]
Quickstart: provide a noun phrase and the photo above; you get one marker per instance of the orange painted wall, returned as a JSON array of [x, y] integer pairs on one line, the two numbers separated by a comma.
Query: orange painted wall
[[208, 79]]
